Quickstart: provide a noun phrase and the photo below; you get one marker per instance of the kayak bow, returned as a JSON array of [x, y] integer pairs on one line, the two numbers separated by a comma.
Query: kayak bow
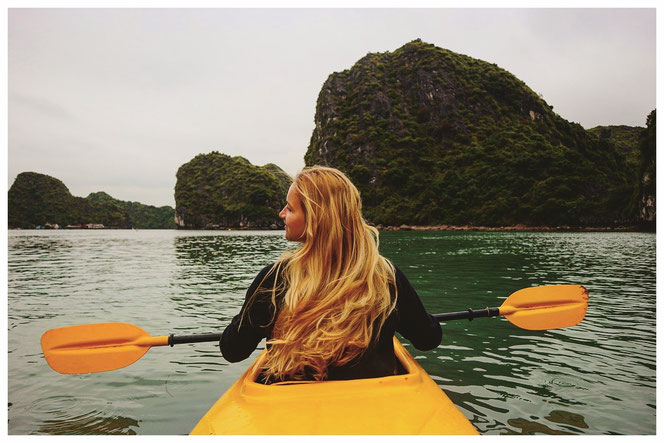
[[411, 403]]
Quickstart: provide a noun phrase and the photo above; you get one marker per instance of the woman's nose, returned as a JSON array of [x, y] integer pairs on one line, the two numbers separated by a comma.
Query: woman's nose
[[282, 214]]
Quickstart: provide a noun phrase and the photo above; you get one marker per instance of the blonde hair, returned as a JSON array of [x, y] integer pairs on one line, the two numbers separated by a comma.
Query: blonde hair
[[337, 285]]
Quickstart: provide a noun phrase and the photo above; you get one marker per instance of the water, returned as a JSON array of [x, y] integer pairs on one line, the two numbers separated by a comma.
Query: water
[[594, 378]]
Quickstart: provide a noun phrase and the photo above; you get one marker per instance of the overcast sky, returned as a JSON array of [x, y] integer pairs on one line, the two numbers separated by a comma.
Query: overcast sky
[[116, 100]]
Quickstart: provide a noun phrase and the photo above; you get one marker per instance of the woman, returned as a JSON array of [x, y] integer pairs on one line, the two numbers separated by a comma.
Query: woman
[[330, 308]]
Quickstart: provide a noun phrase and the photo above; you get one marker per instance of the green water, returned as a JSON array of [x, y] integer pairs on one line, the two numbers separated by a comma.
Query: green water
[[594, 378]]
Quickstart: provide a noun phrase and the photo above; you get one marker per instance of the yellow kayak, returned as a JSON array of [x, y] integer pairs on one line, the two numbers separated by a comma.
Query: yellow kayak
[[411, 403]]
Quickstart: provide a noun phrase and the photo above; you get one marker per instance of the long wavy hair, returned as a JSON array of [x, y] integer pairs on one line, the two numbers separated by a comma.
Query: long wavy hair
[[336, 283]]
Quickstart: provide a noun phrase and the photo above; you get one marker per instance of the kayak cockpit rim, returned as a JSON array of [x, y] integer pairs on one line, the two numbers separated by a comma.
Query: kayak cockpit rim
[[410, 378]]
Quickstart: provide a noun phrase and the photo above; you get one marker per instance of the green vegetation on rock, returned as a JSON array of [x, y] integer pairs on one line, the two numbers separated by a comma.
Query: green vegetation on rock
[[647, 149], [37, 199], [625, 139], [430, 136], [218, 191], [138, 215]]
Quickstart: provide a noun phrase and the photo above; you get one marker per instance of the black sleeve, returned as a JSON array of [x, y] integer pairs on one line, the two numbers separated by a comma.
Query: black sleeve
[[415, 324], [239, 341]]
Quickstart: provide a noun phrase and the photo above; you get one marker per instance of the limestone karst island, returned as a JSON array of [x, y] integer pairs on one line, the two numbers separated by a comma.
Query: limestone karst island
[[430, 137]]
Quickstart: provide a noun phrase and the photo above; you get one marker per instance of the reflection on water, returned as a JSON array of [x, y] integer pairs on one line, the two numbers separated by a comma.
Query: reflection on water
[[531, 428], [208, 267], [568, 418], [575, 424], [67, 415], [595, 378]]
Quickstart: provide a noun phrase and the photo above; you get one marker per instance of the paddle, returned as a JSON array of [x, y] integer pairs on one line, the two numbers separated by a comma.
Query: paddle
[[102, 347], [99, 347], [537, 308]]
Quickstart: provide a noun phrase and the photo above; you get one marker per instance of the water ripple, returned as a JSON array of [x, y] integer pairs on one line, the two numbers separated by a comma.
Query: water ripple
[[69, 415]]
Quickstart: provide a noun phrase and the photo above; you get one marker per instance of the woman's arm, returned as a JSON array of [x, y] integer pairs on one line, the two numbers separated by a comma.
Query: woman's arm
[[242, 335], [415, 324]]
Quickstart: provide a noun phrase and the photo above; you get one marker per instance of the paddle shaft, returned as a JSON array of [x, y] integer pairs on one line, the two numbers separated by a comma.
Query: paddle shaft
[[182, 339], [468, 314], [459, 315]]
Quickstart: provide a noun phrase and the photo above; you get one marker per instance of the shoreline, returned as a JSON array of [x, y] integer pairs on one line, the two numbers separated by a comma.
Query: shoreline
[[468, 228], [516, 228]]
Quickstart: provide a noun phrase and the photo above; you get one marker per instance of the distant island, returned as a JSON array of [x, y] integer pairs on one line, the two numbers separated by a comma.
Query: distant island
[[38, 200], [213, 191], [432, 139], [216, 191]]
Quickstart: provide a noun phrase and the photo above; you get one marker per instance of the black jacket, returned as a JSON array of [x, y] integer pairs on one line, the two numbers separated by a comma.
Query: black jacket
[[410, 319]]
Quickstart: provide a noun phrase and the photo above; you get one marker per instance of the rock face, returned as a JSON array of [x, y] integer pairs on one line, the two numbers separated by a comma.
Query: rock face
[[40, 200], [36, 199], [433, 137], [218, 191], [648, 172]]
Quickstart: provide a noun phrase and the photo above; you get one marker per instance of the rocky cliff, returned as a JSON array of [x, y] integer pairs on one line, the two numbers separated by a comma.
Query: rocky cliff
[[648, 172], [218, 191], [430, 136]]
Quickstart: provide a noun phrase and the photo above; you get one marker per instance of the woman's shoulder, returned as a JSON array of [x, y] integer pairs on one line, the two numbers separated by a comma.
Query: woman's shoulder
[[270, 272], [267, 268], [398, 273]]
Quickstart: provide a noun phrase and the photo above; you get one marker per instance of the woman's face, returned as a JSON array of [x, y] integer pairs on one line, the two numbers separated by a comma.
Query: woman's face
[[293, 216]]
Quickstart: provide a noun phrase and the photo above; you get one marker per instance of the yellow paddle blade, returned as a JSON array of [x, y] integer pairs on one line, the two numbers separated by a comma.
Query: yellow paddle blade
[[96, 347], [546, 307]]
